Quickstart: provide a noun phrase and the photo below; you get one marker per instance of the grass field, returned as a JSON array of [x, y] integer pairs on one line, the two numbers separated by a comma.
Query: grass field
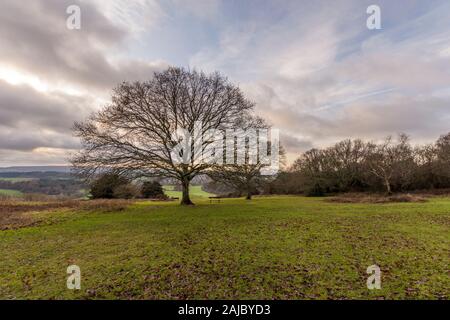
[[10, 193], [267, 248], [16, 179], [194, 191]]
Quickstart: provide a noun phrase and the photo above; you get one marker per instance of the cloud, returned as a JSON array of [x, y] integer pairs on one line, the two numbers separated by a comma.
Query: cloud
[[202, 9], [136, 16], [22, 106], [424, 118], [320, 76], [51, 76], [30, 119], [42, 156], [35, 40], [312, 67]]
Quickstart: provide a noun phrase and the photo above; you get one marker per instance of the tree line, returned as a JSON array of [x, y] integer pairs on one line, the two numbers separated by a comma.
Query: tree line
[[68, 186], [394, 165]]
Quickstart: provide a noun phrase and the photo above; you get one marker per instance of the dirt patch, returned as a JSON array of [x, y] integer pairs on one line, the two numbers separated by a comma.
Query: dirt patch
[[432, 192], [375, 198], [14, 214]]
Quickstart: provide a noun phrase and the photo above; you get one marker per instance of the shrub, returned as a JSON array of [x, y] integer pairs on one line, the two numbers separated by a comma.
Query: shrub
[[315, 191], [152, 189], [126, 191], [104, 186]]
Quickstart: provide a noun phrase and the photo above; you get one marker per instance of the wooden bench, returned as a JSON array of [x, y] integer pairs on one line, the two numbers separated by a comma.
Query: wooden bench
[[212, 199], [174, 198]]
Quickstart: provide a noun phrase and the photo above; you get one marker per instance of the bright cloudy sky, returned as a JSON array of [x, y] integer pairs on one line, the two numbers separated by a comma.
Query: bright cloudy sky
[[313, 68]]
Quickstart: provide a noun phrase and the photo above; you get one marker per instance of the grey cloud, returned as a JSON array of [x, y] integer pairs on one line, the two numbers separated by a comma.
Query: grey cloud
[[30, 119], [407, 64], [423, 119], [24, 107], [32, 139], [26, 158], [295, 145], [320, 54], [35, 39]]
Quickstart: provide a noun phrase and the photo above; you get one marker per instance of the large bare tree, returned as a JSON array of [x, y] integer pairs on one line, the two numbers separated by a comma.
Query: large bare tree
[[137, 133]]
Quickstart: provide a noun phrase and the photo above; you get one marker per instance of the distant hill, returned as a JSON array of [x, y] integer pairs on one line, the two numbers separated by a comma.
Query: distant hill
[[62, 169]]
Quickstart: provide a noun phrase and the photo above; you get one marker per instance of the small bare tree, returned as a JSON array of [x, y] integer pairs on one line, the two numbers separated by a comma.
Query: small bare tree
[[390, 159], [443, 155], [246, 176], [136, 134]]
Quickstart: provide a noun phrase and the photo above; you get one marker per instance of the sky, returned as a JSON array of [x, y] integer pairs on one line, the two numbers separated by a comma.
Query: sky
[[313, 68]]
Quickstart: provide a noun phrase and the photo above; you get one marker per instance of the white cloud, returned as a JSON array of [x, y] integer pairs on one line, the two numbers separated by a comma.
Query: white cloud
[[136, 16]]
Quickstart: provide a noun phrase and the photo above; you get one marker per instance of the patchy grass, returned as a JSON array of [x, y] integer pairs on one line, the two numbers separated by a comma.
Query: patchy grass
[[195, 192], [18, 214], [10, 193], [377, 198], [267, 248]]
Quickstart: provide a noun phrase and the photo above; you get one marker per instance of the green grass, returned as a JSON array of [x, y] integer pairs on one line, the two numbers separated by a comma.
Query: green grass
[[194, 191], [17, 179], [10, 193], [267, 248]]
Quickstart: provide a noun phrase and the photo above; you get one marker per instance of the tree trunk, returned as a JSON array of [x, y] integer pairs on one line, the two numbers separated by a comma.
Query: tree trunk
[[388, 186], [186, 200]]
